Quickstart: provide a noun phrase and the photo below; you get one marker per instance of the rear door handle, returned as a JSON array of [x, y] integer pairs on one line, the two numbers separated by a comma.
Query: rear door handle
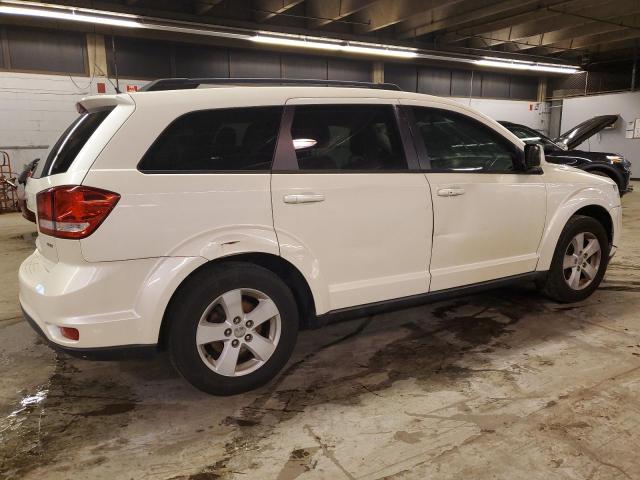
[[303, 198], [450, 192]]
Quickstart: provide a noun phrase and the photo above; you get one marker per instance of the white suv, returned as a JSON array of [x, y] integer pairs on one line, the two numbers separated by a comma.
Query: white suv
[[217, 221]]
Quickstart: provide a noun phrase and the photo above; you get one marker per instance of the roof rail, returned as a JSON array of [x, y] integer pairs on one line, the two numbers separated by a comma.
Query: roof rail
[[187, 83]]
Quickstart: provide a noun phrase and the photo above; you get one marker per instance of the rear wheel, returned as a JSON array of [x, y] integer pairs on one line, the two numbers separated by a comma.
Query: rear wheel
[[233, 328], [579, 262]]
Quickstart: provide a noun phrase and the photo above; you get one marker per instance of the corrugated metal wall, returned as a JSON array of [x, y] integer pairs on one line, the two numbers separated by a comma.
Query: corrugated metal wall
[[152, 59], [461, 83]]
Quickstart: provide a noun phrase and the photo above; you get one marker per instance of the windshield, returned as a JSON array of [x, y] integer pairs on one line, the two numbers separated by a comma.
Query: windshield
[[63, 153], [528, 135]]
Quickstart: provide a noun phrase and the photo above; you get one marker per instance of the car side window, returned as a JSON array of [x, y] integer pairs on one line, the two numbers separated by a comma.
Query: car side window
[[457, 143], [347, 137], [215, 140]]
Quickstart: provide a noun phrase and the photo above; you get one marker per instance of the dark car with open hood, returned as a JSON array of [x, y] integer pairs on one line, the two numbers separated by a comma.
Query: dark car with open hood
[[561, 150]]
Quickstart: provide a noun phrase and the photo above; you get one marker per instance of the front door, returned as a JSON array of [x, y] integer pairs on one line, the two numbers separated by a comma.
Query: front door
[[488, 216], [348, 211]]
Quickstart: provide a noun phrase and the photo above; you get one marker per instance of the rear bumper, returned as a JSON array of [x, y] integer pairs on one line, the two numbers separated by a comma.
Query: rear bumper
[[113, 305], [99, 353]]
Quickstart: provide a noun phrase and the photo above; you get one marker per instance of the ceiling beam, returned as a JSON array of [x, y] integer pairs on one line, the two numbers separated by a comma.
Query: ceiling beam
[[547, 23], [324, 12], [536, 14], [266, 9], [203, 6], [385, 13], [619, 46], [589, 41], [460, 17], [551, 37]]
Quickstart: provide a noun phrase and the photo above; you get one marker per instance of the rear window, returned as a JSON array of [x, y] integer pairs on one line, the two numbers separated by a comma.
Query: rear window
[[241, 139], [65, 150]]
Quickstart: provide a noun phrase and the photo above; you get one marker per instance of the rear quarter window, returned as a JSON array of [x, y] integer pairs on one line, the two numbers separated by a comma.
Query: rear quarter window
[[233, 139], [66, 149]]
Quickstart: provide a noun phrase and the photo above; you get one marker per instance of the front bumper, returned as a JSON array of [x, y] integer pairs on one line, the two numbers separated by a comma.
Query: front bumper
[[626, 186], [113, 305], [616, 217]]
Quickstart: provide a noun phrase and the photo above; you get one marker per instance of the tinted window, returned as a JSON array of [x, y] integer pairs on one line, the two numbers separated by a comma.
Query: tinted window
[[459, 143], [65, 150], [347, 137], [209, 140]]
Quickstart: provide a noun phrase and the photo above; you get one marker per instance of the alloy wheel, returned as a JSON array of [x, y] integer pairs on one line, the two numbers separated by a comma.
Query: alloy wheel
[[582, 260], [238, 332]]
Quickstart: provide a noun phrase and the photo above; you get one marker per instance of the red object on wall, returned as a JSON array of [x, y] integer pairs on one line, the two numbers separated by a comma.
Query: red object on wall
[[102, 88], [132, 88]]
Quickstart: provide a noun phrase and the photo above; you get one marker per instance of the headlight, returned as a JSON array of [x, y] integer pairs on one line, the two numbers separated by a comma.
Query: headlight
[[615, 158]]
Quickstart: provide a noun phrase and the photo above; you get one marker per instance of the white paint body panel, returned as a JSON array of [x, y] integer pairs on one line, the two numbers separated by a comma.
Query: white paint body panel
[[491, 231], [569, 190], [369, 240]]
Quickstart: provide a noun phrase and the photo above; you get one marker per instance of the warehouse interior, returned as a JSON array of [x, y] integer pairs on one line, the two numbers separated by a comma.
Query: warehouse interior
[[501, 384]]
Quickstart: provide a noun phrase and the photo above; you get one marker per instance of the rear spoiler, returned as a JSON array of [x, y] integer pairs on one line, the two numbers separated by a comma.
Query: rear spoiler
[[98, 102]]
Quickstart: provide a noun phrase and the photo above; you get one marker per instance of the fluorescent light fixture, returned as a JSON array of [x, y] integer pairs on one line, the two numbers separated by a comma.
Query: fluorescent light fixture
[[294, 42], [76, 17], [522, 65], [389, 52], [335, 45]]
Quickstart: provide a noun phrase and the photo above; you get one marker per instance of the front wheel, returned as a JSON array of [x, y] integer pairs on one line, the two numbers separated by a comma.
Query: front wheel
[[579, 262], [233, 327]]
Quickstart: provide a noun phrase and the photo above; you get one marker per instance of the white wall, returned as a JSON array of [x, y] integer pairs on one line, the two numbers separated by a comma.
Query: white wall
[[576, 110], [515, 111], [36, 109]]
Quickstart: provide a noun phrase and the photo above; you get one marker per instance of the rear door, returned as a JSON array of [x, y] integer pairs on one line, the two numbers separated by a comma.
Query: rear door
[[350, 209], [488, 216]]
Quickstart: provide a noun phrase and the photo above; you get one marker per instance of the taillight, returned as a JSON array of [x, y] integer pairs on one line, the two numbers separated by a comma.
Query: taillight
[[70, 333], [73, 211]]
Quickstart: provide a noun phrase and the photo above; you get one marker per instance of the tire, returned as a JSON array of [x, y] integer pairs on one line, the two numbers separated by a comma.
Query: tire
[[575, 283], [207, 307]]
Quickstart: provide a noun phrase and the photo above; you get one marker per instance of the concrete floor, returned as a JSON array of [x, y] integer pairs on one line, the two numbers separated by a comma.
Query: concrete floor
[[501, 385]]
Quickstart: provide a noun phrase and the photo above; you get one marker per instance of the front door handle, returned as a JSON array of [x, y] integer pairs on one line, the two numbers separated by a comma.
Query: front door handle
[[450, 192], [303, 198]]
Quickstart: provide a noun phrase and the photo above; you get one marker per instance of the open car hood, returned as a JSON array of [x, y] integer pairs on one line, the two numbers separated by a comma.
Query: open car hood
[[580, 133]]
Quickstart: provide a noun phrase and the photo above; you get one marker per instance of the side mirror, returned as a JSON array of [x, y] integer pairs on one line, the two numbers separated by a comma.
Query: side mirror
[[532, 156]]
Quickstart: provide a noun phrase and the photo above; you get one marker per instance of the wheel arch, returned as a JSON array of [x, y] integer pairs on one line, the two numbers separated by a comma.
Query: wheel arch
[[285, 270], [590, 208], [600, 214]]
